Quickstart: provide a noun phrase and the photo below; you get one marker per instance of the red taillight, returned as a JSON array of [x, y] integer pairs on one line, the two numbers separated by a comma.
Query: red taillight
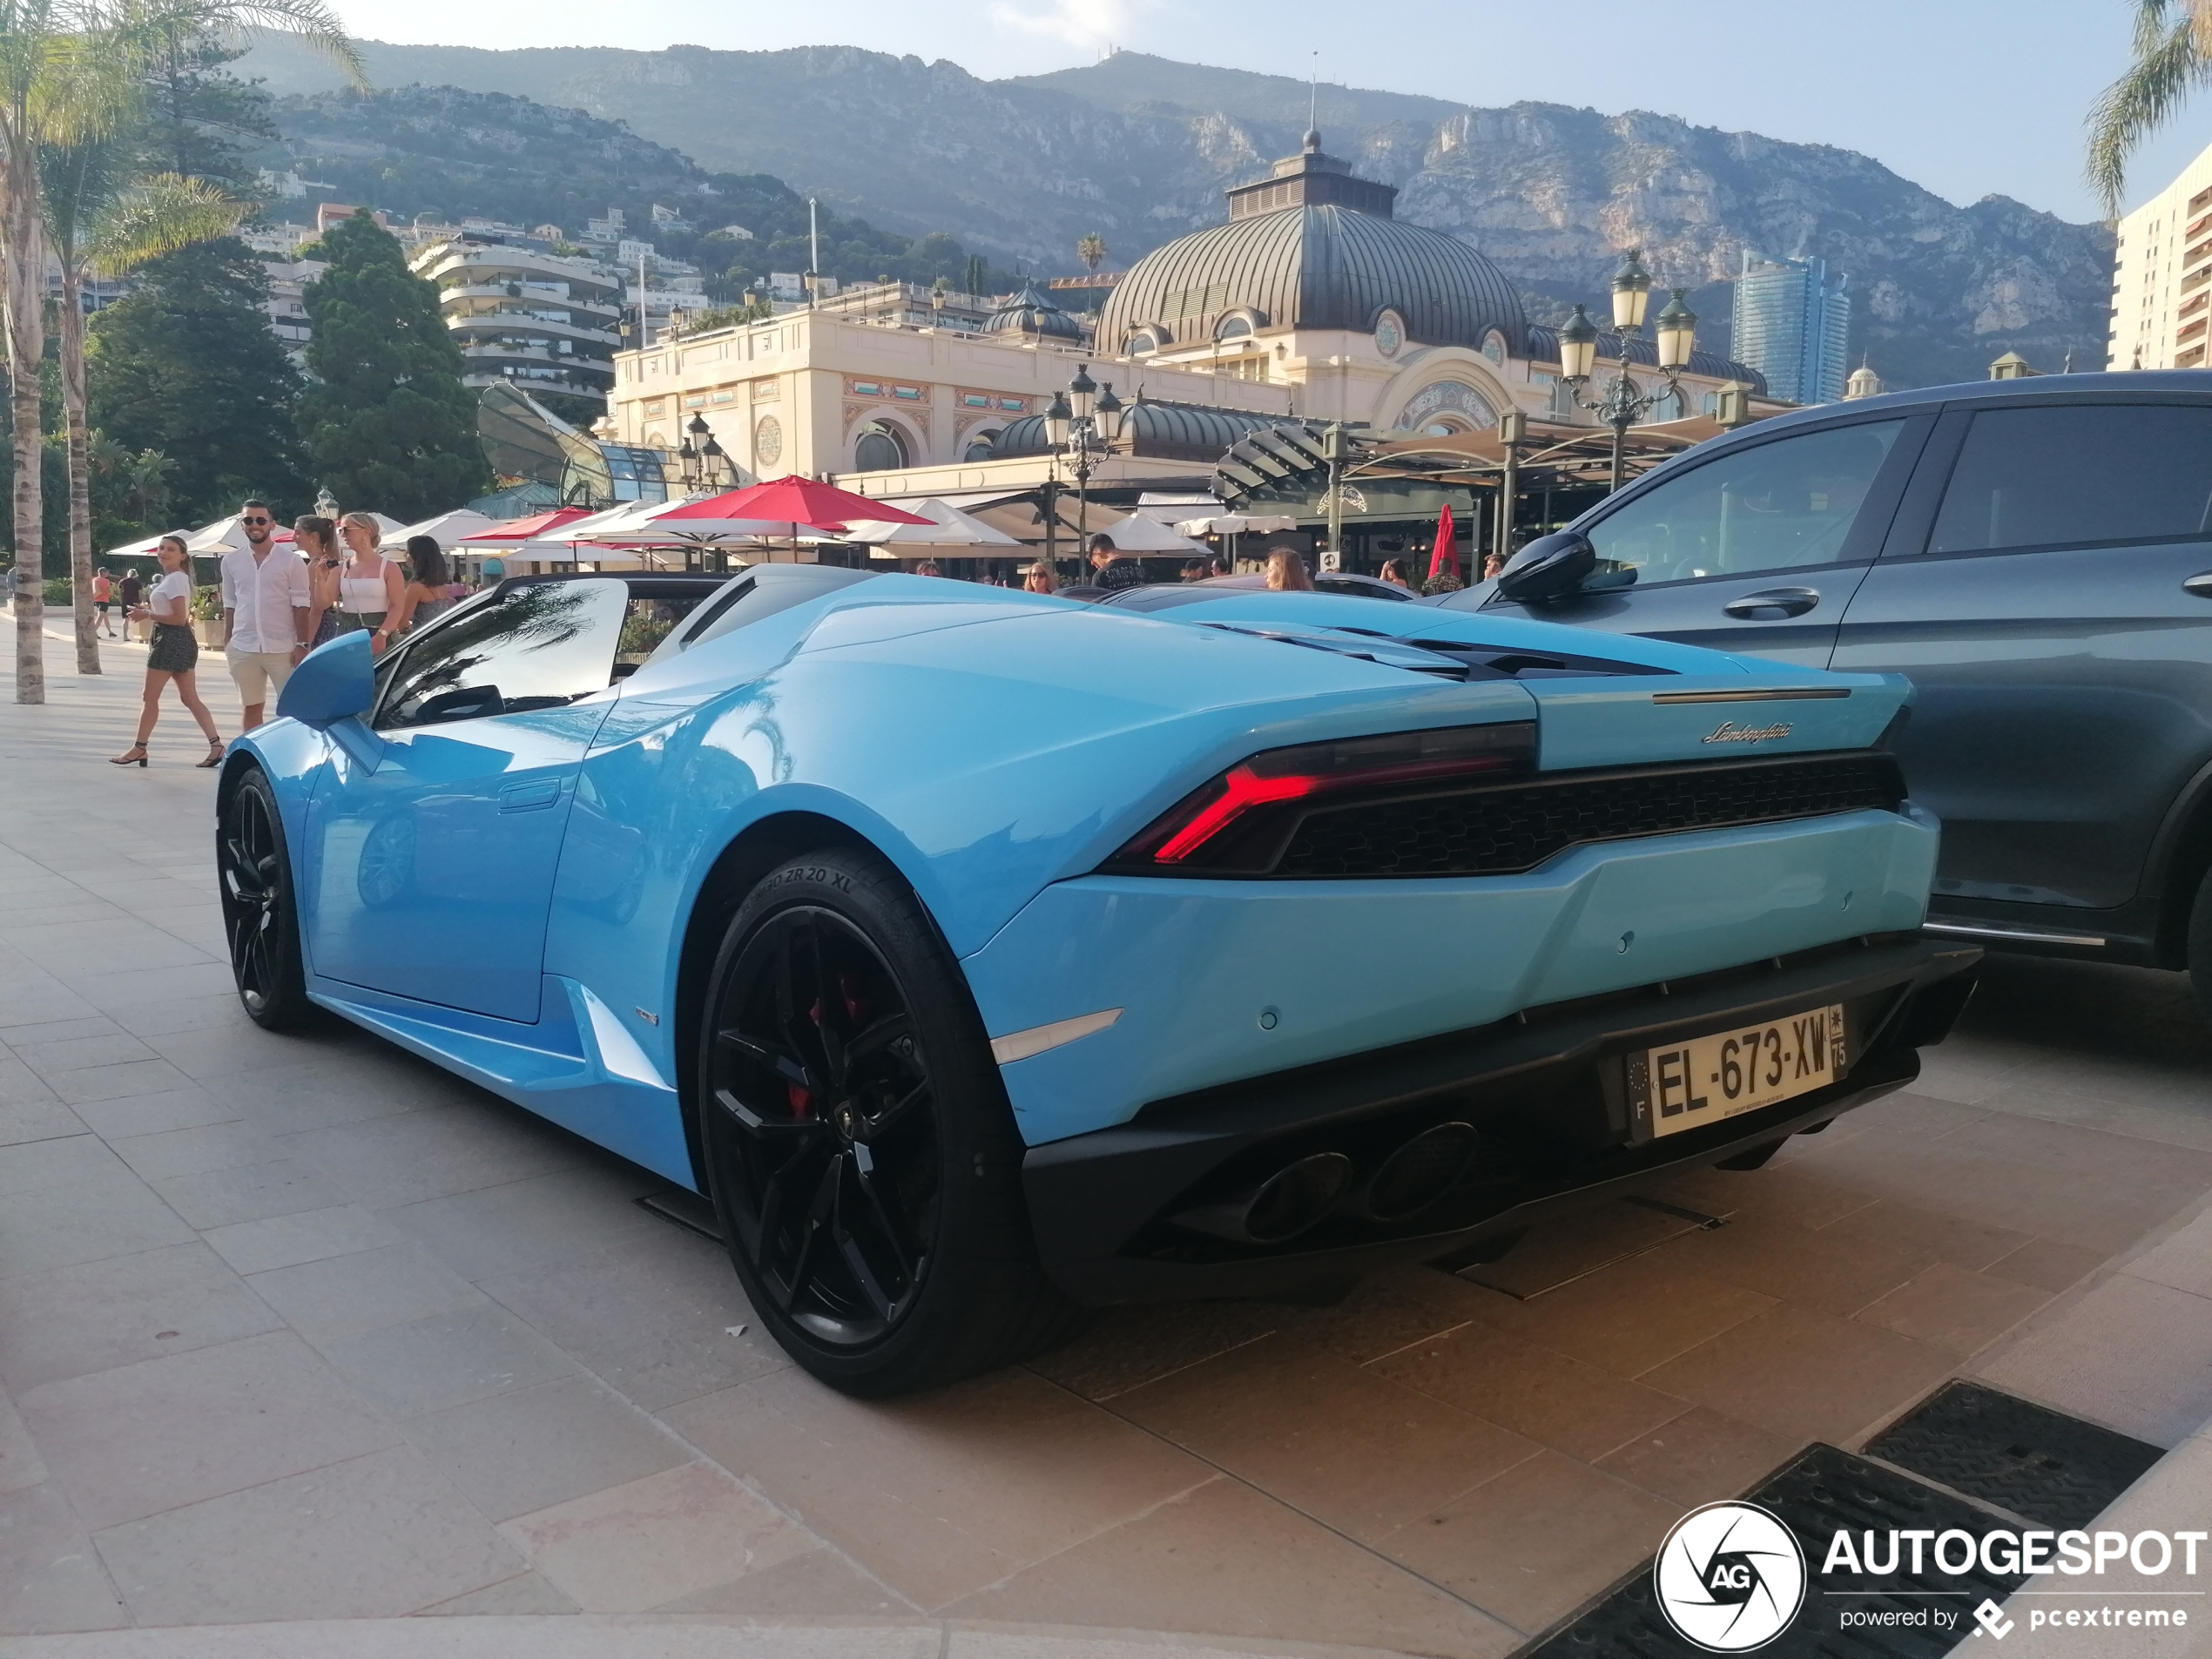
[[1237, 823]]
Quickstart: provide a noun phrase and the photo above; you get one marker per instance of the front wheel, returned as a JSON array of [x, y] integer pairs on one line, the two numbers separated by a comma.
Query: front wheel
[[260, 917], [860, 1146]]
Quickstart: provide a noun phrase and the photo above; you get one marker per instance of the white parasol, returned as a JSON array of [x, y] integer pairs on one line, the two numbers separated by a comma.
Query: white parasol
[[446, 529], [949, 531]]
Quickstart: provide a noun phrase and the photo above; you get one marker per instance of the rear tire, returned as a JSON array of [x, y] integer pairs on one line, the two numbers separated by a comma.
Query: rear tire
[[261, 917], [859, 1147]]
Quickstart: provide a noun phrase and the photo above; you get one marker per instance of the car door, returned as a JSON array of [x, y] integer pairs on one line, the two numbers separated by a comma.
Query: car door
[[434, 837], [1756, 550], [2048, 588]]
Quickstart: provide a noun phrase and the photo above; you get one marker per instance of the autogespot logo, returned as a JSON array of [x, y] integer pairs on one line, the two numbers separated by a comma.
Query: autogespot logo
[[1730, 1577]]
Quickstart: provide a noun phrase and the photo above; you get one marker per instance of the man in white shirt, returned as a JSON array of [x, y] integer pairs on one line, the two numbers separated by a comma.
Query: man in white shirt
[[266, 606]]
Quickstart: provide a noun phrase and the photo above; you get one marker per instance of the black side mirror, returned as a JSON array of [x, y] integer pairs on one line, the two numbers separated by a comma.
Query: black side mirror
[[1551, 566]]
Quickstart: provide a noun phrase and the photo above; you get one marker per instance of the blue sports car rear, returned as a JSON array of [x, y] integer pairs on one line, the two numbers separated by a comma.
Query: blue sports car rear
[[985, 955]]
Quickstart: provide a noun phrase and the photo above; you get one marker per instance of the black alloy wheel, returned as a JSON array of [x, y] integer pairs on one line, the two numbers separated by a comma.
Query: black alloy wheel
[[861, 1149], [259, 920]]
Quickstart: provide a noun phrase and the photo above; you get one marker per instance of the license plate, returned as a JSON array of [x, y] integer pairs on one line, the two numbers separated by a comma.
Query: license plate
[[1703, 1080]]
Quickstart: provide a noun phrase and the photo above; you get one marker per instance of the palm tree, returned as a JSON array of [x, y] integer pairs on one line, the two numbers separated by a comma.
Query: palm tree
[[2172, 57], [72, 71], [98, 220], [1092, 248]]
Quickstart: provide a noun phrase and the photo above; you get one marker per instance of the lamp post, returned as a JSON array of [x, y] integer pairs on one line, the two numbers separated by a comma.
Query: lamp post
[[1081, 424], [1621, 406], [700, 461]]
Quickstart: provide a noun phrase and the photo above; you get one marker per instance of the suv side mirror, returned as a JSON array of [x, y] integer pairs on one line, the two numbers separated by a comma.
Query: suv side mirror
[[332, 682], [1551, 566]]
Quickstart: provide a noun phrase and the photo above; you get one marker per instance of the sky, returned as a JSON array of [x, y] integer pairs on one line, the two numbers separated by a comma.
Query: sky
[[1966, 98]]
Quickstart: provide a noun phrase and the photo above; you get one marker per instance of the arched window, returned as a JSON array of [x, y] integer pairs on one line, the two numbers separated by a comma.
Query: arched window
[[1146, 340], [981, 447], [878, 448]]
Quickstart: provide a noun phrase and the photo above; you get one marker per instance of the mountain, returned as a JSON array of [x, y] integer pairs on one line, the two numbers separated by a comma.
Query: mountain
[[450, 153], [1138, 149]]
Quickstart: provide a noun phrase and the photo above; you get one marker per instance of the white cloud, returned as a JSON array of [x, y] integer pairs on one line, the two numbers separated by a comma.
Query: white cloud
[[1092, 24]]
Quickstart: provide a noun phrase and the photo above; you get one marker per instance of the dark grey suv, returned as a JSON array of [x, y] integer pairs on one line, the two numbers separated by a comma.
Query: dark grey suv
[[2037, 554]]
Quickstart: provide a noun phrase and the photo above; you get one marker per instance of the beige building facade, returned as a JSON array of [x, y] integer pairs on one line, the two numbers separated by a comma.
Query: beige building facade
[[2161, 279]]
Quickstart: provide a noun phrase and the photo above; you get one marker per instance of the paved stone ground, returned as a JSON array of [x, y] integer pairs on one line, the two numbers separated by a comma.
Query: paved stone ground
[[302, 1329]]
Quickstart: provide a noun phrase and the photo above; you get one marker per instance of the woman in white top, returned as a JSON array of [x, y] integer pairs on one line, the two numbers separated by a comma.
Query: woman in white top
[[175, 655], [370, 586]]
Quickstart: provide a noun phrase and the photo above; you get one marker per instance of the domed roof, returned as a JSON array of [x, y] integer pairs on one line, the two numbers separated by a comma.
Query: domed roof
[[1028, 311], [1313, 246], [1168, 431]]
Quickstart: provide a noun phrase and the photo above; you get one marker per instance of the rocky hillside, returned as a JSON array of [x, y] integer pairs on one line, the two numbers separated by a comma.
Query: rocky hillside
[[1138, 149], [450, 153]]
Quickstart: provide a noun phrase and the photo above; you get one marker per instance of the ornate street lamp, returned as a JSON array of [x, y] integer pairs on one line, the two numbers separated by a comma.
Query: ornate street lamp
[[1621, 406], [1081, 424], [700, 461]]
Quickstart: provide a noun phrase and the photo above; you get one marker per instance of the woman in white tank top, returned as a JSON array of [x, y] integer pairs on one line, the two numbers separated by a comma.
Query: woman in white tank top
[[369, 585]]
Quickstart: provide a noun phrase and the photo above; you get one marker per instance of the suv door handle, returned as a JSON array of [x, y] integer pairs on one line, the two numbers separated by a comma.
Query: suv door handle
[[2199, 584], [1790, 602]]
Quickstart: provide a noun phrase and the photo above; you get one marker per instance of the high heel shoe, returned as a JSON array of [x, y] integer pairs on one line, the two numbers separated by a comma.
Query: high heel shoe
[[135, 754], [214, 754]]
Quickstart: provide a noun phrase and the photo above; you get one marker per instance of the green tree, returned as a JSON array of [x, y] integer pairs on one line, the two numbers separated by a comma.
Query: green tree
[[101, 218], [389, 427], [186, 365], [1091, 250], [2172, 58], [195, 113]]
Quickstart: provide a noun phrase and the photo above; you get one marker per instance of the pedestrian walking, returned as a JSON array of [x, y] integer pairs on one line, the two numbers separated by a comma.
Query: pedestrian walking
[[429, 593], [369, 585], [174, 657], [267, 611], [1286, 572], [103, 598], [1114, 570]]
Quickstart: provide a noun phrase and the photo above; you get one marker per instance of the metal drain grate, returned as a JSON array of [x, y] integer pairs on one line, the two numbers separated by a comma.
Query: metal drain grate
[[2047, 1467], [1820, 1493]]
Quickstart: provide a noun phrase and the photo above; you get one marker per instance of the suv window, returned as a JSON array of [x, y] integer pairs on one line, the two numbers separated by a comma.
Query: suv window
[[1772, 507], [535, 647], [2079, 474]]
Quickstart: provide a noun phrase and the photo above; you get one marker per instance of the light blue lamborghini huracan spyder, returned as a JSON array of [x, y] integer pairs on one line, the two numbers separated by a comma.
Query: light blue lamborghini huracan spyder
[[986, 956]]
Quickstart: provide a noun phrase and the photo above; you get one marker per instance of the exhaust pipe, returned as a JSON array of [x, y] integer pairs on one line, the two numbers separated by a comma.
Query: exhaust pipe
[[1289, 1201], [1421, 1172]]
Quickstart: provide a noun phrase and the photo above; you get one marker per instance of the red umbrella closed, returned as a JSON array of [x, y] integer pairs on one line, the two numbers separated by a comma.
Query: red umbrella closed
[[1445, 559], [794, 505]]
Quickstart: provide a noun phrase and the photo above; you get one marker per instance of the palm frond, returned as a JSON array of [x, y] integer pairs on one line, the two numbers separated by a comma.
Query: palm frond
[[159, 215], [2170, 63], [315, 24]]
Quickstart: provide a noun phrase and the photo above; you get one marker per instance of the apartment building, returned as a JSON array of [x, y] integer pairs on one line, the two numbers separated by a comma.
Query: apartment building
[[2161, 279], [547, 322]]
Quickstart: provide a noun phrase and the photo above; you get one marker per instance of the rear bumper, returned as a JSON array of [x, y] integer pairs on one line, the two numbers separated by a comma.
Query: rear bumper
[[1545, 1090], [1216, 980]]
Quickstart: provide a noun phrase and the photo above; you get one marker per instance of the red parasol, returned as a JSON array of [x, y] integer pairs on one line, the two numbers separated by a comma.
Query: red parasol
[[1446, 556], [793, 504], [516, 531]]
